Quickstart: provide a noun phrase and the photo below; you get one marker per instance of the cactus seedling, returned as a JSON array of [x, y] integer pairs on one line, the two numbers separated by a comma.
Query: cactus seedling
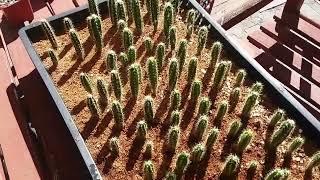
[[175, 100], [148, 109], [212, 138], [132, 54], [113, 12], [175, 4], [182, 163], [148, 44], [102, 88], [244, 140], [114, 146], [134, 79], [149, 149], [231, 165], [200, 127], [195, 90], [127, 38], [189, 31], [222, 110], [283, 131], [173, 73], [160, 51], [154, 7], [92, 105], [314, 161], [241, 75], [67, 23], [142, 129], [121, 10], [86, 82], [192, 69], [117, 114], [182, 53], [198, 152], [123, 58], [171, 176], [173, 138], [278, 174], [173, 37], [95, 31], [175, 118], [234, 129], [257, 87], [53, 56], [76, 43], [50, 34], [153, 73], [168, 18], [204, 106], [219, 75], [277, 116], [191, 17], [121, 24], [111, 60], [234, 98], [250, 103], [137, 15], [148, 169], [294, 145], [116, 84], [202, 38], [93, 7], [252, 167], [215, 53]]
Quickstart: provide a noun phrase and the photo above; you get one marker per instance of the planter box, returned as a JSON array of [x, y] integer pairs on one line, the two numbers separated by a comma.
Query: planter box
[[274, 89]]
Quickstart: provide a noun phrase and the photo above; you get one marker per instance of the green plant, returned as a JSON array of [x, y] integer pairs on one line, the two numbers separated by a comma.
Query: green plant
[[202, 38], [280, 134], [148, 109], [121, 10], [154, 7], [111, 60], [191, 17], [148, 44], [182, 163], [175, 99], [192, 69], [142, 129], [234, 98], [231, 165], [160, 52], [234, 128], [314, 161], [173, 37], [173, 73], [241, 75], [132, 54], [153, 73], [76, 43], [137, 15], [173, 138], [278, 174], [244, 140], [129, 7], [92, 105], [102, 88], [116, 84], [114, 146], [250, 103], [182, 53], [86, 82], [200, 127], [219, 75], [113, 12], [149, 149], [175, 4], [95, 31], [294, 145], [117, 113], [195, 90], [277, 116], [257, 87], [123, 58], [168, 18], [175, 118], [171, 176], [148, 169], [121, 25], [93, 7], [53, 56], [50, 34], [252, 166], [134, 79], [127, 38], [222, 110], [68, 24], [204, 106], [215, 53], [212, 138], [198, 152]]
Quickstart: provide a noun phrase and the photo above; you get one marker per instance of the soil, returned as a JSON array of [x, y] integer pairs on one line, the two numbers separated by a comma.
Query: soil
[[97, 131]]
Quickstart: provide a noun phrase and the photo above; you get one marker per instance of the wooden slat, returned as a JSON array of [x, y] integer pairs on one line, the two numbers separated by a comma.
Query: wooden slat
[[60, 6]]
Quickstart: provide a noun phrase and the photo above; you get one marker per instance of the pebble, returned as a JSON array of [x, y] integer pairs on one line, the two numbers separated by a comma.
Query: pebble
[[203, 71]]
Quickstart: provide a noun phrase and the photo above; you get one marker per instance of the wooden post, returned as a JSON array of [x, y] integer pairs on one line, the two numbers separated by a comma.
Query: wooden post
[[293, 6]]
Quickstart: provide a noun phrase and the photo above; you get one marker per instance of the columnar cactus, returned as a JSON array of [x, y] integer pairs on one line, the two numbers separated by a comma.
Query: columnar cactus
[[148, 44], [154, 7], [148, 169], [241, 75], [168, 18], [204, 106], [195, 90], [76, 43], [314, 161], [92, 105], [250, 103], [129, 8], [173, 37], [50, 34], [202, 38], [234, 98], [175, 118], [192, 69], [197, 153], [219, 75], [175, 4], [153, 73], [68, 24], [173, 73], [114, 146], [189, 31], [102, 88], [200, 127], [280, 134], [215, 53], [160, 53], [116, 84], [111, 60], [132, 54], [278, 174], [149, 149], [86, 82], [113, 12], [127, 38], [257, 87], [175, 100], [277, 116], [244, 140], [121, 24], [182, 53], [123, 58], [294, 145], [95, 31], [234, 129], [191, 17], [117, 114], [53, 56], [171, 176], [134, 79], [142, 129], [222, 111], [148, 109], [231, 165], [93, 7], [182, 163], [212, 138], [121, 10], [252, 167], [173, 138], [137, 15]]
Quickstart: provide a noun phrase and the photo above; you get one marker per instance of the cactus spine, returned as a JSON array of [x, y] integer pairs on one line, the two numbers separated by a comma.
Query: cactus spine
[[283, 131], [212, 138], [86, 82], [142, 129], [234, 129], [182, 163], [114, 146], [67, 23], [154, 7], [102, 88], [251, 101], [93, 7], [195, 90], [160, 52], [192, 69], [175, 100], [117, 114], [148, 45], [215, 53], [222, 110], [148, 169], [92, 105], [111, 60], [202, 38], [173, 138], [137, 15], [197, 153], [53, 56], [127, 38], [257, 87], [76, 43], [219, 75], [134, 79], [95, 30], [173, 37], [204, 106], [123, 58], [50, 34], [149, 149], [294, 145], [244, 140], [113, 12], [173, 73], [168, 18], [231, 165], [153, 73], [175, 118], [234, 98], [148, 109], [121, 10], [241, 75], [182, 53], [314, 161], [200, 127], [116, 84], [277, 116], [132, 54]]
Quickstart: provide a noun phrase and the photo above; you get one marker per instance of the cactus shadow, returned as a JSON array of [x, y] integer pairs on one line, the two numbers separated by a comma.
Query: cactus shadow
[[163, 106], [134, 153], [66, 76], [132, 127], [89, 127], [227, 147], [191, 171], [204, 165], [250, 174], [146, 19], [78, 108], [109, 162], [269, 160], [165, 164], [129, 107], [287, 159], [188, 115], [52, 68], [124, 75], [103, 124], [112, 31], [308, 174], [88, 66], [65, 49], [185, 94], [87, 45], [207, 78]]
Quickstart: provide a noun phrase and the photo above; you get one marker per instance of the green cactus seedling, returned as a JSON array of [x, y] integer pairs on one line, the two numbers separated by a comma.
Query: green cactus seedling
[[148, 44], [314, 161], [182, 53], [173, 73], [173, 138], [234, 128], [222, 111], [76, 43], [113, 12], [234, 98], [197, 153], [93, 7], [50, 34], [215, 53], [173, 37], [68, 24], [202, 39], [127, 38], [121, 10], [212, 138], [294, 145], [149, 149], [168, 18], [142, 129], [277, 116], [160, 53], [92, 105], [114, 146], [137, 15], [111, 60], [116, 84], [241, 75], [102, 88], [280, 134], [257, 87], [134, 77], [132, 54], [86, 82], [153, 73], [154, 7], [244, 140], [200, 127], [148, 109], [175, 118], [231, 165], [53, 57], [117, 113], [204, 106], [195, 90], [182, 163], [192, 69], [148, 169], [250, 103], [175, 100]]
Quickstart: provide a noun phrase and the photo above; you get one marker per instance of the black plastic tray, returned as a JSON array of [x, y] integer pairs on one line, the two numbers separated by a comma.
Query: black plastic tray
[[276, 90]]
